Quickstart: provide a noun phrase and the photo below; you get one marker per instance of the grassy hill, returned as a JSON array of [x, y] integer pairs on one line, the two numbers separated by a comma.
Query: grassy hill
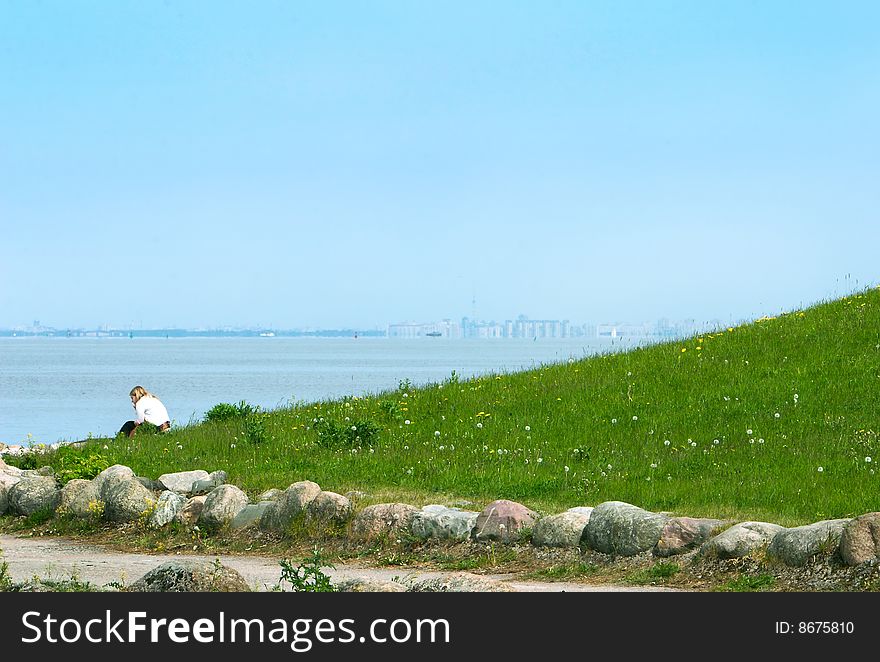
[[774, 420]]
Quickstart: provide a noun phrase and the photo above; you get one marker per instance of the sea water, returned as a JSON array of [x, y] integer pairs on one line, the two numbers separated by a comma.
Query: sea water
[[54, 389]]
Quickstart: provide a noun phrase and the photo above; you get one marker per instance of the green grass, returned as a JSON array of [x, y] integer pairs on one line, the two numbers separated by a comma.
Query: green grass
[[748, 583], [734, 424], [656, 574]]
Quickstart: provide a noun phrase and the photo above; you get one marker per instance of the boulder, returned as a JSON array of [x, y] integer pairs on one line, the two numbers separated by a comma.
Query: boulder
[[150, 484], [367, 585], [167, 508], [191, 511], [622, 529], [740, 540], [47, 472], [797, 545], [249, 515], [182, 481], [214, 480], [562, 530], [503, 520], [443, 523], [383, 519], [291, 503], [222, 505], [190, 576], [109, 475], [4, 499], [31, 495], [860, 539], [461, 582], [125, 499], [682, 534], [9, 476], [270, 495], [329, 507], [77, 496]]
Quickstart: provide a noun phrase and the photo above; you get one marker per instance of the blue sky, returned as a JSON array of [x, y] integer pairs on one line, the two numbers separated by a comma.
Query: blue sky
[[351, 164]]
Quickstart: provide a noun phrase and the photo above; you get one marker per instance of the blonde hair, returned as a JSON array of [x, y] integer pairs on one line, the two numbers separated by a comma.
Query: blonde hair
[[139, 392]]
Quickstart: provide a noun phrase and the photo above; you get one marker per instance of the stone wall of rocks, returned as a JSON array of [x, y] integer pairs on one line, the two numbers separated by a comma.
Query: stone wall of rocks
[[199, 498]]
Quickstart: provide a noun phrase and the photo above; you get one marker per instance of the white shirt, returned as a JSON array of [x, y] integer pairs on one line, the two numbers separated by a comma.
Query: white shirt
[[151, 410]]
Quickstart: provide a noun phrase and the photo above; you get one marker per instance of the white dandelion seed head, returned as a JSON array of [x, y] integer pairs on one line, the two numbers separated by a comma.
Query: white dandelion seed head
[[868, 459], [820, 469], [528, 428], [666, 442], [406, 422], [436, 433]]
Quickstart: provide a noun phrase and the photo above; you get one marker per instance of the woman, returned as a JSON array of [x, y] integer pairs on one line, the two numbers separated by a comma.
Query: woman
[[148, 409]]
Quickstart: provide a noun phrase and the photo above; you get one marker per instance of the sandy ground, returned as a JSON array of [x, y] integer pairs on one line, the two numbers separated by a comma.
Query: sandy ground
[[58, 558]]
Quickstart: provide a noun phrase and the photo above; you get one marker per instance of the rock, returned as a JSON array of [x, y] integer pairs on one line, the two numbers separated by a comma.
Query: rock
[[503, 520], [270, 495], [382, 519], [562, 530], [31, 495], [191, 511], [436, 521], [182, 481], [167, 508], [740, 540], [77, 497], [189, 576], [249, 515], [461, 582], [150, 484], [329, 507], [222, 505], [126, 500], [47, 472], [289, 505], [797, 545], [110, 474], [682, 534], [4, 499], [212, 482], [622, 529], [367, 585], [859, 540], [8, 479]]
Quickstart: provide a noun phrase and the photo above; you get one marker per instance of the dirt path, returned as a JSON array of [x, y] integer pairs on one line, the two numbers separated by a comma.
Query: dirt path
[[58, 558]]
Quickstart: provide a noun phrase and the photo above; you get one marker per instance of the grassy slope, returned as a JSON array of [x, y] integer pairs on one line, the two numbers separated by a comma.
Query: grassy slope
[[537, 423]]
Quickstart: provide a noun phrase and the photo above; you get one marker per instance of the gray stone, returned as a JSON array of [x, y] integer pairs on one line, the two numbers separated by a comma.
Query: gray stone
[[682, 534], [8, 479], [109, 475], [622, 529], [31, 495], [80, 498], [167, 508], [150, 484], [45, 472], [4, 499], [190, 576], [249, 515], [367, 585], [329, 507], [503, 520], [215, 480], [797, 545], [461, 582], [740, 540], [191, 511], [860, 539], [126, 500], [270, 495], [222, 505], [289, 505], [382, 519], [443, 523], [182, 481], [562, 530]]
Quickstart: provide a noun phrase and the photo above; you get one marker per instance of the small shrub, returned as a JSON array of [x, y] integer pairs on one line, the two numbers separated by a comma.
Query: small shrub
[[23, 461], [229, 412], [255, 431], [748, 583], [307, 577], [331, 434], [71, 463]]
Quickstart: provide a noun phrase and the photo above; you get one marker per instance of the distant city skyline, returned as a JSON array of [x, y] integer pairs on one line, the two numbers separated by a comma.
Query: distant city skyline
[[341, 165]]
